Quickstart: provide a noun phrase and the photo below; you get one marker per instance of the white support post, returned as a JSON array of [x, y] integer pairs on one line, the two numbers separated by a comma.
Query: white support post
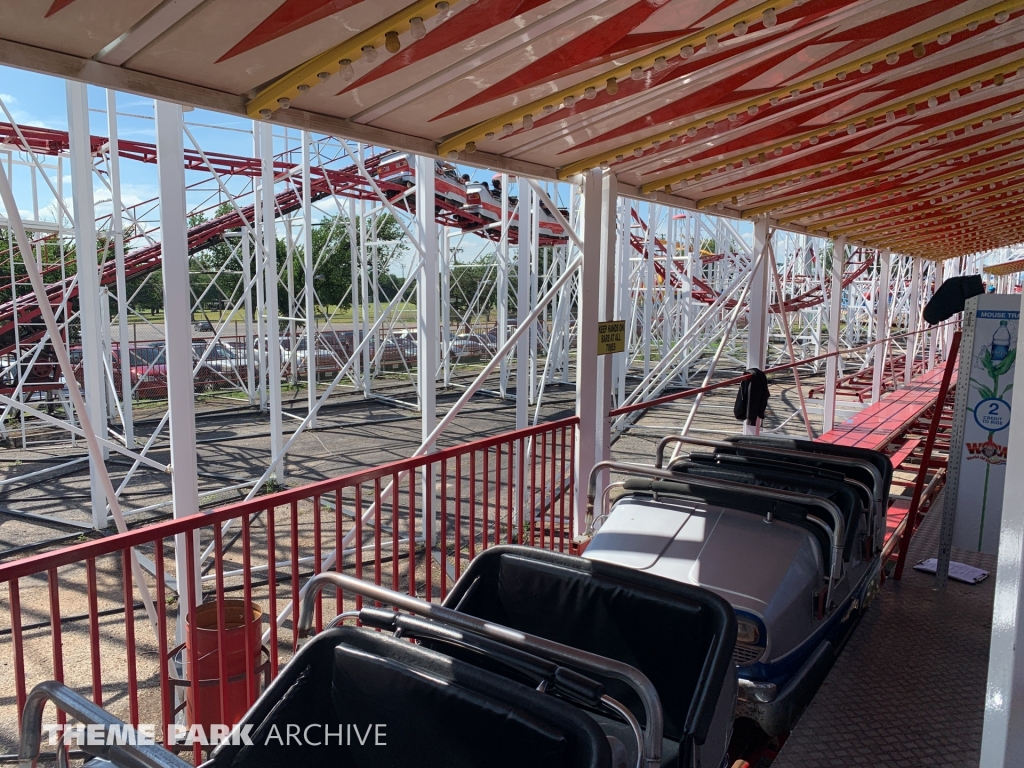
[[1002, 740], [364, 273], [427, 331], [261, 303], [648, 272], [88, 285], [250, 348], [606, 310], [691, 253], [668, 324], [624, 305], [535, 268], [835, 308], [933, 333], [914, 340], [117, 230], [524, 258], [446, 305], [503, 285], [587, 317], [293, 351], [427, 319], [308, 267], [270, 292], [757, 319], [357, 328], [951, 268], [170, 151], [881, 324]]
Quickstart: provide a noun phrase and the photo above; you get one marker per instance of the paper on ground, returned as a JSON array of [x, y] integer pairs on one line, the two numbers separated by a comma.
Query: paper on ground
[[968, 574]]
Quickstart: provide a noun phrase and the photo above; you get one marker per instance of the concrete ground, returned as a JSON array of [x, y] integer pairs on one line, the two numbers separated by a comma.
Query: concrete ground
[[909, 688]]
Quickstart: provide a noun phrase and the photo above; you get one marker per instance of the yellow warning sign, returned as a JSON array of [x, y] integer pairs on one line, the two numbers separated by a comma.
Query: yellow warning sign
[[611, 337]]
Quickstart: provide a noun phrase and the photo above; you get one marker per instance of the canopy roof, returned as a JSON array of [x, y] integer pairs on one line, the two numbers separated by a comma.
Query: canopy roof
[[894, 122], [1006, 268]]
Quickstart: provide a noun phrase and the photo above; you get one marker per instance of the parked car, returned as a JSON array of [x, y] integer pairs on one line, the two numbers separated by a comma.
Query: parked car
[[471, 346], [149, 371], [333, 349], [223, 366]]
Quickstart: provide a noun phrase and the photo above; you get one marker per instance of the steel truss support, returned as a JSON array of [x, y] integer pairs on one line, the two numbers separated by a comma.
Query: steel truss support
[[881, 325], [757, 319], [88, 278], [272, 374], [309, 269], [834, 316], [427, 318], [178, 330], [527, 210], [117, 232], [590, 408]]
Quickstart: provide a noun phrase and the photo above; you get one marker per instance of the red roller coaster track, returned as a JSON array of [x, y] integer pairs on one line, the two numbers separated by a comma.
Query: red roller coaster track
[[349, 182]]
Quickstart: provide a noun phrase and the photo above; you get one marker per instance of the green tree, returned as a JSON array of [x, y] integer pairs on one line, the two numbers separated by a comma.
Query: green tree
[[332, 255], [474, 284]]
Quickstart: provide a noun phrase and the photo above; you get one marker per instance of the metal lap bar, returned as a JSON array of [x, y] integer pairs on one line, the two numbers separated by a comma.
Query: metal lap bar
[[766, 451], [555, 651], [527, 664], [85, 712], [837, 534]]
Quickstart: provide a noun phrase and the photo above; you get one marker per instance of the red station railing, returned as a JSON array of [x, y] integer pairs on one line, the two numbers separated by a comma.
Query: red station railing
[[511, 488], [374, 524]]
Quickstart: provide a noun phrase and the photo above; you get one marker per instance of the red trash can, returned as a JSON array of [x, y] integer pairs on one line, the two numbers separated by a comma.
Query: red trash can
[[204, 662]]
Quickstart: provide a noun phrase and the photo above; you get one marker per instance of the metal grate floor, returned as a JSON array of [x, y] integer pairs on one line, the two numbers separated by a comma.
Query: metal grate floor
[[909, 688]]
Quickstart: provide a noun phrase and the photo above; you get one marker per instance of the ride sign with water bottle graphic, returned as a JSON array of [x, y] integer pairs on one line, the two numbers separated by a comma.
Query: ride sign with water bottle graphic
[[987, 370]]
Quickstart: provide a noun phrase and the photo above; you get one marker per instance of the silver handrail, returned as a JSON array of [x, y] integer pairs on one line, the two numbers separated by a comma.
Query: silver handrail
[[539, 645], [87, 713], [876, 493], [838, 532]]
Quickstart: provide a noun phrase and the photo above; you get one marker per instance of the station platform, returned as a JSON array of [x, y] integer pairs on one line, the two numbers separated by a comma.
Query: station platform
[[879, 424], [909, 688]]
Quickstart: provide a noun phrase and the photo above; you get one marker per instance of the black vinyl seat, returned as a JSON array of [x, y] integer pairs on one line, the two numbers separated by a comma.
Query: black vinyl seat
[[818, 455], [680, 636], [750, 473], [437, 712], [821, 472]]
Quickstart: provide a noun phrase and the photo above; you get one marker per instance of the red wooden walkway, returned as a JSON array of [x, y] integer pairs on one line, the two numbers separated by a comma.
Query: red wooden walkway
[[894, 421]]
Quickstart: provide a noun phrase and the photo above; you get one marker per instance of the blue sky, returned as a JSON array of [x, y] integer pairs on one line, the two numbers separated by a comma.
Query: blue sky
[[39, 100]]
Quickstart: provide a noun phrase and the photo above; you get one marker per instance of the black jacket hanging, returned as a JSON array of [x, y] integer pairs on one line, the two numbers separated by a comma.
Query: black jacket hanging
[[752, 399], [950, 297]]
